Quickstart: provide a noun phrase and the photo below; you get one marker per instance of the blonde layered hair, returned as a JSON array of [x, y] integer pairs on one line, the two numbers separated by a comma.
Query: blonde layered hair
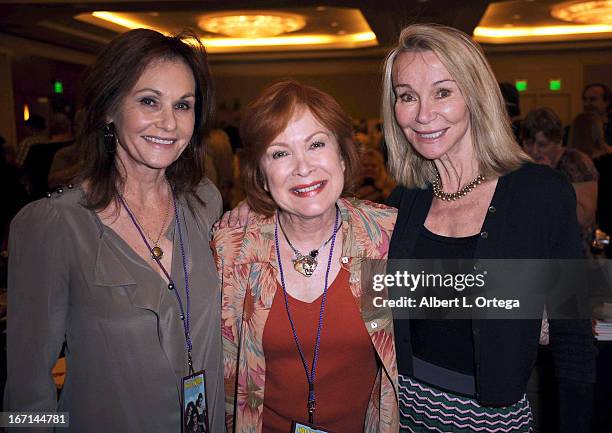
[[494, 145]]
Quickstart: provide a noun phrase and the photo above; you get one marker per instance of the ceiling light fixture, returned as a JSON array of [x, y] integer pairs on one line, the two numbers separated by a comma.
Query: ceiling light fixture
[[519, 32], [584, 12], [245, 24], [212, 44], [119, 20]]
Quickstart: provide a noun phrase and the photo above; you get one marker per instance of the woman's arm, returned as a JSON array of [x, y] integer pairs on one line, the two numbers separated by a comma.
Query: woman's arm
[[586, 198], [37, 306]]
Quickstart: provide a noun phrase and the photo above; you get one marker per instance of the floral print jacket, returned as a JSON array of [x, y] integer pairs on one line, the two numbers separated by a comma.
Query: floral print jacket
[[246, 261]]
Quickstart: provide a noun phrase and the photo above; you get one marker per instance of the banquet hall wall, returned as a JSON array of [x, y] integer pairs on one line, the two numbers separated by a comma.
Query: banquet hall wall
[[355, 82]]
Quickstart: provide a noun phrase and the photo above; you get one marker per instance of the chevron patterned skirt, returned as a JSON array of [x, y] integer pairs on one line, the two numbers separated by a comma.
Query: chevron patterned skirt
[[424, 409]]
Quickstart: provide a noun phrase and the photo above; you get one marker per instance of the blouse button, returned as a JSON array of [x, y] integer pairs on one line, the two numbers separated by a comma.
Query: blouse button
[[374, 325], [484, 235], [344, 260], [492, 209]]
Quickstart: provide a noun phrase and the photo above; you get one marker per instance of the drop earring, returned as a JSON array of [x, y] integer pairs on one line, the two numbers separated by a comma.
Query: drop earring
[[110, 139], [108, 131]]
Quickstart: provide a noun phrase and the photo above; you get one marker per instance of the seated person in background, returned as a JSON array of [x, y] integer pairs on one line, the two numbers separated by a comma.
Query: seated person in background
[[36, 128], [541, 135], [375, 184]]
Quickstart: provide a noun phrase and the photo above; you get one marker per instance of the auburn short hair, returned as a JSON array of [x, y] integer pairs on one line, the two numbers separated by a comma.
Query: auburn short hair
[[266, 117]]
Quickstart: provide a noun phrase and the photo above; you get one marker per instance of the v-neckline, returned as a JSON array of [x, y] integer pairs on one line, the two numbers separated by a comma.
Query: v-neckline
[[137, 257]]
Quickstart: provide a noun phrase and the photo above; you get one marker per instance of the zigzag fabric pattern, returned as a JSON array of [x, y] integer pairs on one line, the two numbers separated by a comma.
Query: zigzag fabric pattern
[[426, 409]]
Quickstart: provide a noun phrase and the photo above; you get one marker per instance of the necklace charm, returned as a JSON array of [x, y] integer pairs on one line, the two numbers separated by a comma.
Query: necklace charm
[[157, 253], [305, 264]]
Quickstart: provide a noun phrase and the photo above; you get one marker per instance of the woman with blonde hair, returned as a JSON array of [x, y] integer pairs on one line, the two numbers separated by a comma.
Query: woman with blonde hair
[[468, 191]]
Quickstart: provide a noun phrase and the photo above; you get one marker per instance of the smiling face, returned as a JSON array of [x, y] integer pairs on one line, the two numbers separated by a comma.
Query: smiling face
[[429, 107], [155, 120], [303, 169]]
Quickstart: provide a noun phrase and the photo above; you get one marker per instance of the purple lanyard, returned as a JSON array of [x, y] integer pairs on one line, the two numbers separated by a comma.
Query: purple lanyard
[[185, 318], [310, 376]]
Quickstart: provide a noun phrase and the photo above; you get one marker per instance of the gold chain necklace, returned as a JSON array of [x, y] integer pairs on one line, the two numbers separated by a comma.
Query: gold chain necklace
[[445, 196], [156, 251]]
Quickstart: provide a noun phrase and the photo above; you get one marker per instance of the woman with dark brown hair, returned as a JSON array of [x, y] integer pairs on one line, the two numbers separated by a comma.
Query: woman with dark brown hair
[[108, 266]]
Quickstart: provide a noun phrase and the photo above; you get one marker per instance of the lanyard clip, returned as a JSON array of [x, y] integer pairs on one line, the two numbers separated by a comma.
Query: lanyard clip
[[190, 362], [312, 405]]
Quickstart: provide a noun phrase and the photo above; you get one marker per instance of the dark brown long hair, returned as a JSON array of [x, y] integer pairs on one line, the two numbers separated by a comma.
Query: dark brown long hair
[[114, 73]]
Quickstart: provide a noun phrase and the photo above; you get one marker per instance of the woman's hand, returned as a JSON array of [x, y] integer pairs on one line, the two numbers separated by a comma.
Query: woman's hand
[[240, 216]]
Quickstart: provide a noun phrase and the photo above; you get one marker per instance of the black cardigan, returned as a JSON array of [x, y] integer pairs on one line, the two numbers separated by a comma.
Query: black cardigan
[[532, 215]]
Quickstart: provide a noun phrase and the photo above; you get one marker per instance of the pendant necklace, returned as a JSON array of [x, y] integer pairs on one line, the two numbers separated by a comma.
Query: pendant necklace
[[306, 264], [156, 251]]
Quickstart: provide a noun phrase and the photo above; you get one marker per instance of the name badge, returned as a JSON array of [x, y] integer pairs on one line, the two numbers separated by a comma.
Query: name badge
[[297, 427], [195, 404]]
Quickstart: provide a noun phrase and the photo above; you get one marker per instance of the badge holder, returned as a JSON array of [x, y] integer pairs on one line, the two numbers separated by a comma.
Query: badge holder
[[297, 427], [194, 417]]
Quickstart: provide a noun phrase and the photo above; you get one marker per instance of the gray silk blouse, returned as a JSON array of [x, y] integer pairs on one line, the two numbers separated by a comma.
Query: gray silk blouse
[[74, 280]]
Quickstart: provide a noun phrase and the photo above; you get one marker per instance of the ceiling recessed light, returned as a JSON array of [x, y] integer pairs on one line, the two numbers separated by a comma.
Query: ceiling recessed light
[[154, 14], [341, 32], [334, 24], [584, 12], [516, 17], [248, 24], [321, 8]]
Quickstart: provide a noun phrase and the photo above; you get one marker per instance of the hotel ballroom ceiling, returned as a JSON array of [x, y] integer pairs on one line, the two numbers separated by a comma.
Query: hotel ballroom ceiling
[[69, 24]]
